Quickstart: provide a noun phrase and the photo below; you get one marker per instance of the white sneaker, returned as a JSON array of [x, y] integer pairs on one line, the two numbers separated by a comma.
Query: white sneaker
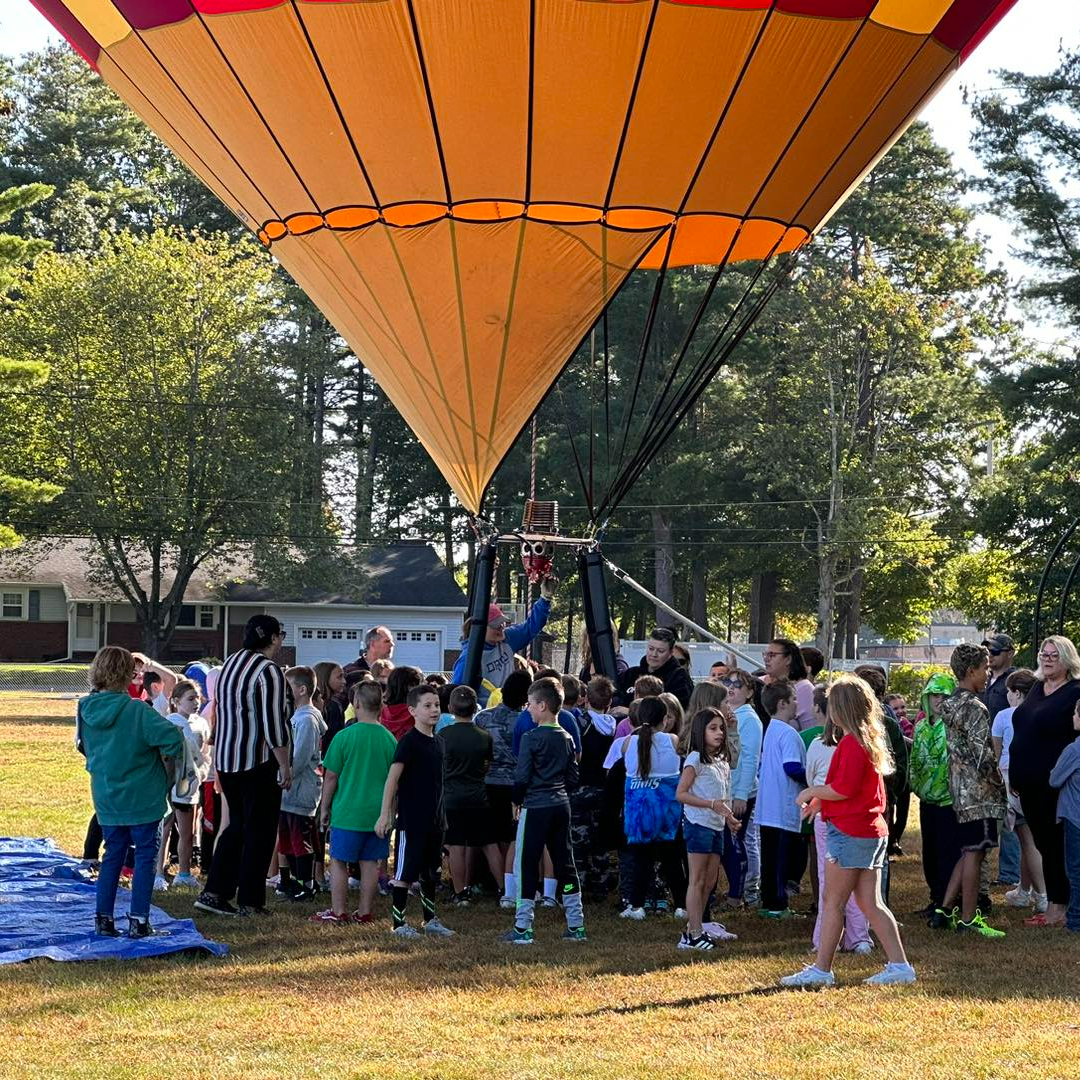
[[635, 913], [1018, 897], [406, 931], [1041, 903], [810, 978], [161, 884], [862, 948], [436, 929], [718, 932], [187, 881], [680, 913], [892, 975], [273, 882], [354, 883], [507, 902]]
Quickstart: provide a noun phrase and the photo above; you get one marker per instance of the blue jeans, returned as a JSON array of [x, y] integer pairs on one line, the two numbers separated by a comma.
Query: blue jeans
[[1072, 869], [1008, 857], [118, 838]]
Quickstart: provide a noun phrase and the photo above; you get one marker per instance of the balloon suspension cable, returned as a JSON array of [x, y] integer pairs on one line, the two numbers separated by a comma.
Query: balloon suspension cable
[[626, 579], [532, 462]]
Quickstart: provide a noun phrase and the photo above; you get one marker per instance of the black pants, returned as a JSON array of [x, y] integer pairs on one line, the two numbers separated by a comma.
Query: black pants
[[1039, 805], [798, 857], [548, 827], [899, 808], [776, 845], [940, 848], [242, 852], [94, 840], [669, 854]]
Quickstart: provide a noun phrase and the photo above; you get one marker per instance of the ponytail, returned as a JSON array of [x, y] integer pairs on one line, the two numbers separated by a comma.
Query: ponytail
[[652, 713]]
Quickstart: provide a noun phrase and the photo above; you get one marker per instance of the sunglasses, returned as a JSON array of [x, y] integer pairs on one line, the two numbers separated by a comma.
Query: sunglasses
[[731, 684]]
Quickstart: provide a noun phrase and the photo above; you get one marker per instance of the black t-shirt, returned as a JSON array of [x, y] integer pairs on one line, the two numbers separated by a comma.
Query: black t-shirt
[[467, 750], [594, 750], [1042, 728], [420, 790]]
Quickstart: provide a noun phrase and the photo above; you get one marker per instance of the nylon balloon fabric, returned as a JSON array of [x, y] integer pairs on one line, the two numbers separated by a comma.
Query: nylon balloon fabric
[[462, 186]]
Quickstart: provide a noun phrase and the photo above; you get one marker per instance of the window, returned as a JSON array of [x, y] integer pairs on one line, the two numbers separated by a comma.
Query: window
[[84, 622], [320, 634], [430, 636], [33, 606], [336, 635], [11, 605], [416, 637], [306, 635], [351, 635], [204, 616]]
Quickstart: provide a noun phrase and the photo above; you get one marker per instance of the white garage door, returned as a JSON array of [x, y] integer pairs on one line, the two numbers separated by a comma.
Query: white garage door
[[420, 648]]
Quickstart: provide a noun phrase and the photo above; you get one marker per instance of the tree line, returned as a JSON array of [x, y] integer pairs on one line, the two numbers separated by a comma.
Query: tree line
[[885, 442]]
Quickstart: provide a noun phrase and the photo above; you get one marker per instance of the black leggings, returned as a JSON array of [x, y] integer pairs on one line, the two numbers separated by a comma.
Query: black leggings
[[1040, 810], [776, 845], [669, 855]]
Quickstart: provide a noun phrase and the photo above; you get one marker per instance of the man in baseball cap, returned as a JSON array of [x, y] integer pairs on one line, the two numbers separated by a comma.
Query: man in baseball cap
[[1002, 650], [502, 640]]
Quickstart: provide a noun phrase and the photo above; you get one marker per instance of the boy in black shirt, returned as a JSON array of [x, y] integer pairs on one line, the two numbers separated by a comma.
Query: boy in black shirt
[[587, 833], [547, 770], [467, 752], [415, 784]]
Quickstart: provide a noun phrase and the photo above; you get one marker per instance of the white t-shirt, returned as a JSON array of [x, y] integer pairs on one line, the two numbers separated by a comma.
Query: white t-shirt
[[1002, 728], [663, 756], [615, 752], [711, 781], [196, 755], [776, 806], [818, 758], [161, 703]]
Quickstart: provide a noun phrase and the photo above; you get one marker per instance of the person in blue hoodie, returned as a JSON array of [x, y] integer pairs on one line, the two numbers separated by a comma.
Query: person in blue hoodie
[[126, 743], [502, 641]]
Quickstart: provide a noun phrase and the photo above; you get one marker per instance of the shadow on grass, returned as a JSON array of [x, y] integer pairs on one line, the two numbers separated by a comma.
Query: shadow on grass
[[39, 721]]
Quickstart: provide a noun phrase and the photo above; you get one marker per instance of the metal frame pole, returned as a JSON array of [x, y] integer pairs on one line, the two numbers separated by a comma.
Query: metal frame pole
[[1065, 537], [479, 603], [597, 613]]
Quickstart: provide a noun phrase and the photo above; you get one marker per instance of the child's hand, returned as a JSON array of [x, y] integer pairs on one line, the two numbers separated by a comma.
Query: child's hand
[[810, 809], [738, 808], [324, 819], [382, 826]]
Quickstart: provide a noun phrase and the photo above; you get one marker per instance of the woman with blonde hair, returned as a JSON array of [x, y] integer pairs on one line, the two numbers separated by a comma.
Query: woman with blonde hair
[[587, 672], [852, 802], [1042, 728]]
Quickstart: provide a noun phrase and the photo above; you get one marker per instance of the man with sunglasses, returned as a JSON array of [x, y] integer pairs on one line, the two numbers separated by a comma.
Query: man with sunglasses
[[1002, 650], [659, 660]]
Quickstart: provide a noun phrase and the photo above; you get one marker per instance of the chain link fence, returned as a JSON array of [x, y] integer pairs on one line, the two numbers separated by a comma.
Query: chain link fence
[[66, 679]]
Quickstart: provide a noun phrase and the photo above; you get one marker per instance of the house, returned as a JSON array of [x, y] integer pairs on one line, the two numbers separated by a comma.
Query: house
[[947, 629], [51, 608]]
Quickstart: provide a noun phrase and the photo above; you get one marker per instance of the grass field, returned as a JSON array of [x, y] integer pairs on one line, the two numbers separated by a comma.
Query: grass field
[[296, 999]]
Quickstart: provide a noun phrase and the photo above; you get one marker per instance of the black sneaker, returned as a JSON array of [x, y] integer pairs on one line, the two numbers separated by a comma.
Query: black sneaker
[[104, 926], [214, 905], [985, 905], [246, 912], [938, 920], [289, 890]]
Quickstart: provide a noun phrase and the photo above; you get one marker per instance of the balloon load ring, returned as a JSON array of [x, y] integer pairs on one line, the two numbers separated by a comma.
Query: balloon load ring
[[539, 527]]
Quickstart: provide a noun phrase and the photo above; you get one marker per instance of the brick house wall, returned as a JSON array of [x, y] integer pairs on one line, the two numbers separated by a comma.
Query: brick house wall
[[21, 640]]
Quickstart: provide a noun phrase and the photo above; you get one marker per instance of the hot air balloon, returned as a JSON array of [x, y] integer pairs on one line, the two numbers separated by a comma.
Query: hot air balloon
[[462, 186]]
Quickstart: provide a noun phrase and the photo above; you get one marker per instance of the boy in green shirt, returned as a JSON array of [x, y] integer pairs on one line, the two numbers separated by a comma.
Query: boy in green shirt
[[356, 765]]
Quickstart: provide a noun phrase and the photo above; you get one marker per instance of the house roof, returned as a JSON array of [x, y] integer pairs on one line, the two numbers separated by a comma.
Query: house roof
[[405, 574]]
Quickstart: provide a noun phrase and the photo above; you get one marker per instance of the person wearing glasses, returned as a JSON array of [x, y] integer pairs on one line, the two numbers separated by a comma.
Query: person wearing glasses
[[784, 660], [253, 761], [659, 660], [1002, 650], [1042, 729]]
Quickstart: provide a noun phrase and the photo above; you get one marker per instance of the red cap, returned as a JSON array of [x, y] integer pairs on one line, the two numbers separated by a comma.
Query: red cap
[[495, 616]]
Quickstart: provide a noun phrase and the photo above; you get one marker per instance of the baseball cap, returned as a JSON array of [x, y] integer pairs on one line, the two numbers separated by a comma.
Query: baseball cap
[[495, 617], [999, 643]]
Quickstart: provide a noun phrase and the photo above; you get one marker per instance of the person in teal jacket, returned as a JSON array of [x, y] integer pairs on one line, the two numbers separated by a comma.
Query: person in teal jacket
[[930, 781], [126, 743]]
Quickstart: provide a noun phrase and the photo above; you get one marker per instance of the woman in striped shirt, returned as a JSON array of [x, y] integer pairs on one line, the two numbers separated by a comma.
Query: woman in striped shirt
[[251, 753]]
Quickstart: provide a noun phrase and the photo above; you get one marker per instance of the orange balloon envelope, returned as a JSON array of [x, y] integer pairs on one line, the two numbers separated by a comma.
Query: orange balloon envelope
[[462, 185]]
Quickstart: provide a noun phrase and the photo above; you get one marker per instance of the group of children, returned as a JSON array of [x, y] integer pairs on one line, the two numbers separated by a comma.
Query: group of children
[[551, 788]]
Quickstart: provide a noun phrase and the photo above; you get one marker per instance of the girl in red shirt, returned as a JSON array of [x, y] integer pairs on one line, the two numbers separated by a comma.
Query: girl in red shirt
[[852, 802]]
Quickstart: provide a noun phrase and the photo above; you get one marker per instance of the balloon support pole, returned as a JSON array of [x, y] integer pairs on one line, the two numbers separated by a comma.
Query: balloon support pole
[[597, 614], [480, 602], [626, 579]]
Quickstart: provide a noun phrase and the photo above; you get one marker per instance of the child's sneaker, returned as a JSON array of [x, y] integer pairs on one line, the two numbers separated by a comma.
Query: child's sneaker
[[273, 882], [364, 920], [680, 914], [574, 933], [461, 899], [187, 881], [719, 932], [1018, 897], [436, 929], [702, 942], [547, 901], [948, 919], [354, 883], [161, 884], [409, 933], [330, 916], [863, 948], [507, 902], [978, 925], [783, 913], [630, 912], [518, 937], [384, 885], [1041, 903], [893, 975], [810, 978]]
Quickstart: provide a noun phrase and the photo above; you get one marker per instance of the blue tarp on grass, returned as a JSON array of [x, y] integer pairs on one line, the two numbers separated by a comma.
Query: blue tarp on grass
[[47, 906]]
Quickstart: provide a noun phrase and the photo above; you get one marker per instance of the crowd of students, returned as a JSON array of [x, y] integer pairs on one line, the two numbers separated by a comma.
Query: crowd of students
[[563, 793]]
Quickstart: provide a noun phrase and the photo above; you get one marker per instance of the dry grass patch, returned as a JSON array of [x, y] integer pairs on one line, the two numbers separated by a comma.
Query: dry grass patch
[[301, 999]]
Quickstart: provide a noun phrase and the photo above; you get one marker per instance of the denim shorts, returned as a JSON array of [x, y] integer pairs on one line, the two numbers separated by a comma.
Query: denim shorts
[[348, 845], [701, 840], [854, 852]]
